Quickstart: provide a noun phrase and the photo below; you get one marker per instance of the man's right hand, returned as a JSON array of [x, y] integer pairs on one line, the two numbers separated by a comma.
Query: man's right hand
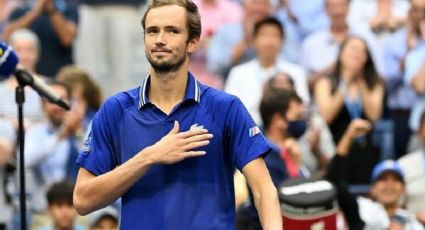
[[177, 146]]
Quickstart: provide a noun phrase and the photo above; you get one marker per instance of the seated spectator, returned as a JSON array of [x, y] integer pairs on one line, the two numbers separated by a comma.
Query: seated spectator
[[354, 90], [60, 207], [317, 146], [27, 47], [56, 27], [104, 219], [414, 176], [282, 112], [382, 210], [246, 80]]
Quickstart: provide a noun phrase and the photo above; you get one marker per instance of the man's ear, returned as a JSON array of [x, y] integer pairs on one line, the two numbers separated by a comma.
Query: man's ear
[[193, 45]]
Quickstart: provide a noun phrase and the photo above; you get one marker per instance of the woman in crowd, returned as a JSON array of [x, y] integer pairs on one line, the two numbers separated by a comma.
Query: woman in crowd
[[354, 90]]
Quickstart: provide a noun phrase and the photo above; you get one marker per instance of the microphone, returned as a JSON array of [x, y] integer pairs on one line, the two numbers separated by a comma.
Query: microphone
[[9, 66]]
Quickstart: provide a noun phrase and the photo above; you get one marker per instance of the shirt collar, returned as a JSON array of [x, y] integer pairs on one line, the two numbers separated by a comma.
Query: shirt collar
[[193, 91]]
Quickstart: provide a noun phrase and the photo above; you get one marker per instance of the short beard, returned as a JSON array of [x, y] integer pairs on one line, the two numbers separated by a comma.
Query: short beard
[[164, 70]]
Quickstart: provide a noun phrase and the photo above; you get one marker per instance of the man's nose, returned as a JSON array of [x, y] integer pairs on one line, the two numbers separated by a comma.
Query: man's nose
[[160, 39]]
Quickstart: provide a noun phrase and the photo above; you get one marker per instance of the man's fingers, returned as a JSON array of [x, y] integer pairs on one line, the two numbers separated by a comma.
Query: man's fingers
[[194, 145], [200, 137], [194, 154], [193, 132]]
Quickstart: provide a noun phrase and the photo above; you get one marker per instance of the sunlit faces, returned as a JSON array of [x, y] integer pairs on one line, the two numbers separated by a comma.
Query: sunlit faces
[[337, 11], [166, 38], [268, 41], [388, 189], [257, 9], [354, 54], [27, 53]]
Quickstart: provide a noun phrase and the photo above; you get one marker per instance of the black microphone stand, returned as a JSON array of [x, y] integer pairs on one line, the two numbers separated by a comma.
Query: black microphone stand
[[20, 99]]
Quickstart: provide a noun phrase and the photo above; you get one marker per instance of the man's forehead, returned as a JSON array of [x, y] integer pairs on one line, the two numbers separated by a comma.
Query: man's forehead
[[168, 15]]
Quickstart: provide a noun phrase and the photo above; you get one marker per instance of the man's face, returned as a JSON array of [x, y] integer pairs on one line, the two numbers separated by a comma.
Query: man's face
[[337, 11], [268, 41], [54, 113], [27, 53], [166, 38], [388, 189], [63, 215]]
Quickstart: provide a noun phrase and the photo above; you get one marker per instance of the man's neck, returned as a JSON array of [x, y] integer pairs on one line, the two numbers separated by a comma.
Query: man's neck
[[267, 62], [167, 90], [391, 209], [339, 32]]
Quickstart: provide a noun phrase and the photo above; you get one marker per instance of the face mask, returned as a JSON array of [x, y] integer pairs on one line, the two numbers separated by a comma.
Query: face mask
[[297, 128]]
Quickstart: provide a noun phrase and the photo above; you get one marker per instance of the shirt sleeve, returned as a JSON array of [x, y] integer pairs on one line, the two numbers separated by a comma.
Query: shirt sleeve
[[99, 152], [246, 140]]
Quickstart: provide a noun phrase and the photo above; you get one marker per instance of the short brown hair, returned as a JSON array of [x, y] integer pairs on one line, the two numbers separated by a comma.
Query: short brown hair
[[276, 100], [192, 15]]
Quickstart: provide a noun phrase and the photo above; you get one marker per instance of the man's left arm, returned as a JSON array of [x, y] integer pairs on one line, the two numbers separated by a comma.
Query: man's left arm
[[265, 194]]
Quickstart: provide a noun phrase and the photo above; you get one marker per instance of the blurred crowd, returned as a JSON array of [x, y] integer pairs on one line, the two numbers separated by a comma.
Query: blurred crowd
[[330, 83]]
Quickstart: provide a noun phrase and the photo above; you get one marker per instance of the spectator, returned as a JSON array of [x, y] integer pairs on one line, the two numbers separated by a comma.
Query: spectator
[[104, 219], [55, 25], [319, 50], [232, 43], [317, 146], [401, 96], [414, 175], [353, 90], [246, 80], [85, 93], [382, 210], [108, 44], [61, 210], [27, 47], [282, 112]]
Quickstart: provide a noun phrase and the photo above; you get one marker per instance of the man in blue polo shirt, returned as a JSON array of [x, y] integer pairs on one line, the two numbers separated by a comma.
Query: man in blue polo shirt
[[178, 179]]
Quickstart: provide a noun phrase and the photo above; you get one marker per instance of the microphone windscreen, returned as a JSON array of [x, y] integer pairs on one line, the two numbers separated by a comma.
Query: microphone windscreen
[[8, 60]]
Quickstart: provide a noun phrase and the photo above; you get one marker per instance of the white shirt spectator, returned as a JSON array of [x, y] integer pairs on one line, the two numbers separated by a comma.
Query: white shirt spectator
[[246, 82]]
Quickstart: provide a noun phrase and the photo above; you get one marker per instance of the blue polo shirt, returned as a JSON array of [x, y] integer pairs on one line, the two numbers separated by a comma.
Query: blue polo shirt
[[196, 193]]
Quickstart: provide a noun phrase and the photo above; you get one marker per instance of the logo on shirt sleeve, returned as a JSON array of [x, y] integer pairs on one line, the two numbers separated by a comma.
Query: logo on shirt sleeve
[[86, 148], [254, 131]]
